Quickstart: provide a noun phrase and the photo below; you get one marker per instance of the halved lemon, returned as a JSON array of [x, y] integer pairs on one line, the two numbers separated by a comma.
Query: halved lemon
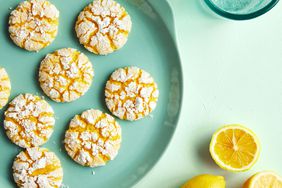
[[264, 179], [235, 148]]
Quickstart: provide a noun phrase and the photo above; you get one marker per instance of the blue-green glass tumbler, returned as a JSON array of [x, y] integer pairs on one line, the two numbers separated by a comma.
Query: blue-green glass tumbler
[[241, 9]]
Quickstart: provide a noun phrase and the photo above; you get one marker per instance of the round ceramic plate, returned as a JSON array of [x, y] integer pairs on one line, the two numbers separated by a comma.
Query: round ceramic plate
[[150, 46]]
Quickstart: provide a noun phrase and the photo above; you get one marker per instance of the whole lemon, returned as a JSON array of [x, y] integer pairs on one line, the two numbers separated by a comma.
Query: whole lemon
[[205, 181]]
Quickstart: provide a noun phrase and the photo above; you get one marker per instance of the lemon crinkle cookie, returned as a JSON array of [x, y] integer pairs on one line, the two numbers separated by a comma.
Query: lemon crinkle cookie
[[5, 87], [65, 75], [33, 25], [29, 121], [103, 26], [131, 93], [37, 167], [93, 138]]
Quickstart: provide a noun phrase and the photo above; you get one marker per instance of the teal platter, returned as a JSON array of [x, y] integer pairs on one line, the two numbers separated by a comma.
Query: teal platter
[[151, 46]]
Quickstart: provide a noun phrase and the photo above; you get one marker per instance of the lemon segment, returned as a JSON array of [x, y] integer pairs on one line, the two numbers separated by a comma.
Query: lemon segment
[[205, 181], [235, 148], [265, 179]]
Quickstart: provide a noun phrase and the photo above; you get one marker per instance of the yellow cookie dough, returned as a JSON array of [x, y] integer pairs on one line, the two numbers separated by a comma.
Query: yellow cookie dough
[[131, 93], [33, 25], [103, 26], [65, 75], [37, 168], [29, 121], [93, 138], [5, 87]]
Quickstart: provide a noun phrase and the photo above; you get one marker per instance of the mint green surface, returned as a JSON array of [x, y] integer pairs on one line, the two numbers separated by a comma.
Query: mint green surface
[[150, 46], [232, 74]]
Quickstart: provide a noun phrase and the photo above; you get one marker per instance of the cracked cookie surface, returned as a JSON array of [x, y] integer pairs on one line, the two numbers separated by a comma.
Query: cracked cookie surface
[[65, 75], [131, 93], [33, 25], [29, 121], [93, 138], [103, 26], [5, 87], [37, 167]]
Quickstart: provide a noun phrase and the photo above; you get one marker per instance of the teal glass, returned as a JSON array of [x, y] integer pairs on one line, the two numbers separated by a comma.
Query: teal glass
[[241, 9]]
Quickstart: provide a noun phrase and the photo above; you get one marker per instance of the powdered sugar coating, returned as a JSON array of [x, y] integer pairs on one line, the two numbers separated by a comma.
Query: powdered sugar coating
[[93, 138], [131, 93], [29, 121], [5, 87], [33, 25], [103, 26], [65, 75], [37, 167]]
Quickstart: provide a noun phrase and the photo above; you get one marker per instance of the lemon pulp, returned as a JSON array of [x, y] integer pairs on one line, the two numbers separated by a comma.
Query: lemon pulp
[[235, 148]]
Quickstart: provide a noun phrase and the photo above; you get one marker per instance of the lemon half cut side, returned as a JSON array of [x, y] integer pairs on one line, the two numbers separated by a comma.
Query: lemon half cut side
[[264, 179], [235, 148]]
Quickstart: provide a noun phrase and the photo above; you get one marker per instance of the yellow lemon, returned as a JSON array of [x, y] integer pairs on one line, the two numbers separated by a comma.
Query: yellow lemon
[[264, 179], [205, 181], [235, 148]]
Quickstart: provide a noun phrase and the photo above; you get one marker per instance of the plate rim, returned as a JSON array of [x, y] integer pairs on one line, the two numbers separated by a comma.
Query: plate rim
[[171, 27]]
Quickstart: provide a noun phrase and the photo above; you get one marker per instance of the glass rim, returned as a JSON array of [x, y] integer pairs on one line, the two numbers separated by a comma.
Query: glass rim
[[248, 16]]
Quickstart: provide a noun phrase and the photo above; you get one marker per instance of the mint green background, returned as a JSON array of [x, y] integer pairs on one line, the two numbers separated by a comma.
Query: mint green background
[[150, 46], [232, 74]]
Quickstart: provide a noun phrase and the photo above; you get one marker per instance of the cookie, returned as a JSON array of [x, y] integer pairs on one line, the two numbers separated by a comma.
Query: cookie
[[93, 138], [5, 87], [33, 25], [29, 121], [103, 27], [65, 75], [37, 167], [131, 93]]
